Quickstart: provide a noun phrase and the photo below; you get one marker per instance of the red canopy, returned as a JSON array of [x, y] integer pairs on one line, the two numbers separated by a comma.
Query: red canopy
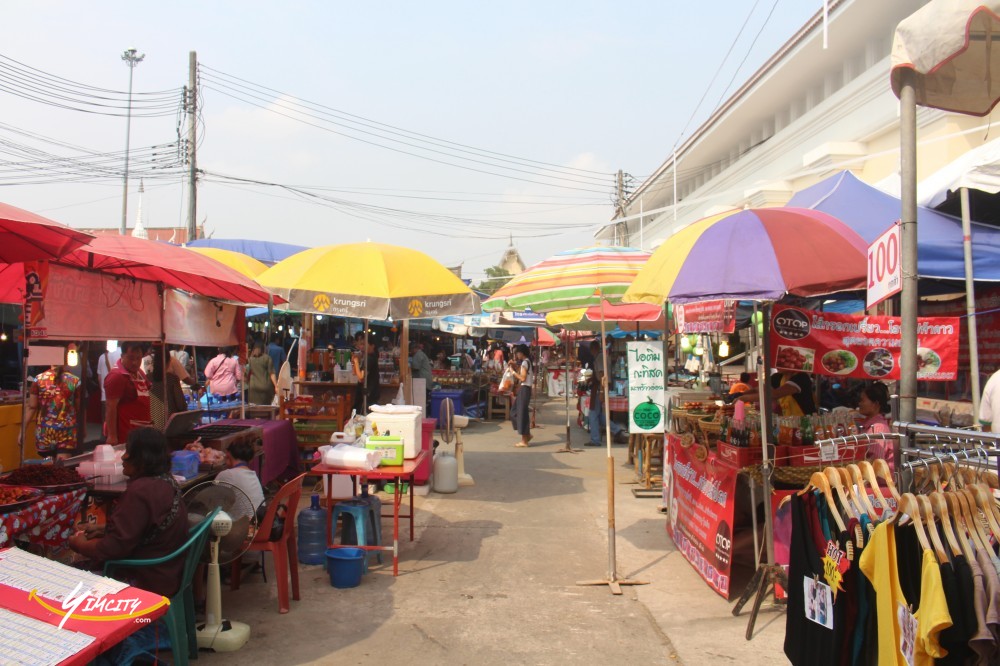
[[170, 265], [25, 236]]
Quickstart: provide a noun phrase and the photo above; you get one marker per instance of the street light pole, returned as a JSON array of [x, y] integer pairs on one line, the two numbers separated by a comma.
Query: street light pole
[[131, 59]]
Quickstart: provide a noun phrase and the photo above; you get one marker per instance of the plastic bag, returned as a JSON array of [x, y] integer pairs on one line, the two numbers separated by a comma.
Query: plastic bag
[[356, 424], [506, 382]]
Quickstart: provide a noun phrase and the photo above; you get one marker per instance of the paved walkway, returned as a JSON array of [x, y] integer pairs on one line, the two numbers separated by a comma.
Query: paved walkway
[[491, 577]]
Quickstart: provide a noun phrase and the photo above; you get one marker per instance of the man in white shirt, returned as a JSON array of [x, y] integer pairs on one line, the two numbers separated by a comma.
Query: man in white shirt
[[989, 407], [240, 475], [105, 364]]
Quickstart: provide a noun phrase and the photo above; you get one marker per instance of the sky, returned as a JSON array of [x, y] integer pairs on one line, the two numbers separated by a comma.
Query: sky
[[448, 127]]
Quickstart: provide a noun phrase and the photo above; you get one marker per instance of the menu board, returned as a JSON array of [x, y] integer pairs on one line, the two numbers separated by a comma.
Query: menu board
[[705, 317], [862, 347]]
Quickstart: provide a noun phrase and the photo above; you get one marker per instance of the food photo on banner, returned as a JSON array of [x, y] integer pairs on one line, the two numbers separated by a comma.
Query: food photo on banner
[[702, 507], [861, 347], [646, 397]]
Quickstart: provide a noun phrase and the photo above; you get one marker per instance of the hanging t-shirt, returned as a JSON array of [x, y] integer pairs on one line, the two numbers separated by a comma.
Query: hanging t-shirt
[[956, 578], [899, 629], [981, 642], [814, 620]]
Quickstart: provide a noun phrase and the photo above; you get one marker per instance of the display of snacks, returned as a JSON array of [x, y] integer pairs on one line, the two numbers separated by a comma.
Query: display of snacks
[[15, 497], [48, 478]]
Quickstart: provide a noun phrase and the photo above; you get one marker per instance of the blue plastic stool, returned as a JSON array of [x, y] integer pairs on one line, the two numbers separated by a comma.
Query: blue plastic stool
[[356, 522], [374, 506]]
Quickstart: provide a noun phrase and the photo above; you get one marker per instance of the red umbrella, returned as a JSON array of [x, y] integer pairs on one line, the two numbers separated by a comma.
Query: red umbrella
[[25, 236], [171, 265]]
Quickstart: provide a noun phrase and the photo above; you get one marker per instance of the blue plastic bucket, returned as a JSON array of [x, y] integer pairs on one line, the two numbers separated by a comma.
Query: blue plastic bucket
[[345, 566]]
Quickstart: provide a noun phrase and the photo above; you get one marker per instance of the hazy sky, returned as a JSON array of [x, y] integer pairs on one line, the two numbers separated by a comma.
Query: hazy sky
[[490, 118]]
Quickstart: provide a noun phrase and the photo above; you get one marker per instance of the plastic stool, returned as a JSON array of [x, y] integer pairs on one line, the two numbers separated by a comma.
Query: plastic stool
[[358, 527], [374, 505]]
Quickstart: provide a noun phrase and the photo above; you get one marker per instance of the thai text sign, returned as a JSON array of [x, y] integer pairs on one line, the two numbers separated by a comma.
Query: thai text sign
[[705, 317], [885, 273], [703, 496], [864, 347], [646, 397]]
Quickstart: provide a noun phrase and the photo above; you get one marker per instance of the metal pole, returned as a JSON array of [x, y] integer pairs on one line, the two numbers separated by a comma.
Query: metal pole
[[131, 59], [908, 231], [192, 208], [763, 388], [612, 559], [566, 378], [970, 304]]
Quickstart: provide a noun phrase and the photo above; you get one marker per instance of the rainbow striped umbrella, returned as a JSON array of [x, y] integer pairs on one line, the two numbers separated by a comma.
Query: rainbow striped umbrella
[[571, 279], [754, 254]]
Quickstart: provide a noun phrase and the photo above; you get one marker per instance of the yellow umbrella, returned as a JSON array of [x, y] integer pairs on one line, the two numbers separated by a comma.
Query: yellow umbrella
[[369, 281], [238, 261]]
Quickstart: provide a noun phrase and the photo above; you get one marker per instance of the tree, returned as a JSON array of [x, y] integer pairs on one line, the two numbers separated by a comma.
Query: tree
[[496, 277]]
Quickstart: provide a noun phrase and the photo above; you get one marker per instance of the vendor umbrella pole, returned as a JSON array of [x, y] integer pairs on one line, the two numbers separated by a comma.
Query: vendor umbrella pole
[[612, 580], [767, 575], [568, 448]]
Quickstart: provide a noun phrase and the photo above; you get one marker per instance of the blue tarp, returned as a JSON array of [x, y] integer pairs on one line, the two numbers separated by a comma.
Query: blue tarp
[[870, 211], [265, 251]]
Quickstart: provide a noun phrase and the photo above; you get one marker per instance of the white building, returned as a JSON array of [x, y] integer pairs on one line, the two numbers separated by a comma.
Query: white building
[[806, 114]]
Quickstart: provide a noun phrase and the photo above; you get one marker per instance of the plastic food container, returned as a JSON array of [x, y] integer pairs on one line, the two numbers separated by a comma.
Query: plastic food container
[[184, 463], [391, 449]]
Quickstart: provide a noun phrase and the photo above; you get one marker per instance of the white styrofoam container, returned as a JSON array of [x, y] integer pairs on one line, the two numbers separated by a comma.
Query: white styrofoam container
[[406, 426], [343, 487]]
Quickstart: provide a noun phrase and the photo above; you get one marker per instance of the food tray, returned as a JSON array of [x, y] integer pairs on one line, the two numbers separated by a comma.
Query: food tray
[[30, 495], [48, 489]]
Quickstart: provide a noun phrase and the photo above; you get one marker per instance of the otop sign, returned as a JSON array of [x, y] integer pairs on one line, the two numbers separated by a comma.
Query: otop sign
[[884, 266]]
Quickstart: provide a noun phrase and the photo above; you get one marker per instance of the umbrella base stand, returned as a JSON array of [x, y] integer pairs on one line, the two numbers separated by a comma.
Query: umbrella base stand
[[615, 584], [568, 448], [764, 579]]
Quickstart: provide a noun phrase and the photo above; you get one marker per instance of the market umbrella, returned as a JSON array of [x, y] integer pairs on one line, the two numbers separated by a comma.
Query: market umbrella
[[25, 236], [758, 254], [942, 57], [755, 254], [623, 315], [370, 281], [578, 278], [238, 261]]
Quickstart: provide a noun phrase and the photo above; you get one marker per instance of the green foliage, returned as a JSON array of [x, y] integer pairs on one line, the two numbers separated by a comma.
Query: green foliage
[[496, 277]]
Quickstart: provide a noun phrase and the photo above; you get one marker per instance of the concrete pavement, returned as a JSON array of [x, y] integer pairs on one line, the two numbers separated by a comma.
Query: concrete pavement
[[491, 577]]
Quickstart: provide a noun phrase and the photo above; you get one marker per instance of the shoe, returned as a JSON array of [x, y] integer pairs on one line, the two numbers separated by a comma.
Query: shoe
[[621, 438], [593, 444]]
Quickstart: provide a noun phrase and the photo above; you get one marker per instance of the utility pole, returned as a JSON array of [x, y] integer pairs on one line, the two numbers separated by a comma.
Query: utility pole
[[192, 92], [620, 205], [131, 59]]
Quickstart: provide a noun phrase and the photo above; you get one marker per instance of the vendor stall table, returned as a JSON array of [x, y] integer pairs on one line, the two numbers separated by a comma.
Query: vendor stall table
[[499, 402], [555, 380], [107, 632], [397, 474], [49, 521], [281, 449], [617, 403]]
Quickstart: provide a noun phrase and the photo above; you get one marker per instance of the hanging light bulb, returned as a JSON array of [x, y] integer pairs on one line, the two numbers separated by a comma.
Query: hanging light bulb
[[724, 349], [699, 350], [685, 343], [3, 336], [281, 327], [72, 357]]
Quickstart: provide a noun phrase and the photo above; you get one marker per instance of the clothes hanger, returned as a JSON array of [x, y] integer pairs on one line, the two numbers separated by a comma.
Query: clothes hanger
[[987, 506], [858, 482], [972, 520], [820, 482], [940, 508], [882, 471], [869, 473], [908, 505], [924, 506], [833, 474]]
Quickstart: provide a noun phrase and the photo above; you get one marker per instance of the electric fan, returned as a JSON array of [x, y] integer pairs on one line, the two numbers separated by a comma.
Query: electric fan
[[451, 425], [231, 533]]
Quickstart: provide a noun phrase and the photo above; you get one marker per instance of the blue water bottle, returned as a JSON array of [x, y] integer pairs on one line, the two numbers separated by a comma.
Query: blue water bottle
[[312, 533]]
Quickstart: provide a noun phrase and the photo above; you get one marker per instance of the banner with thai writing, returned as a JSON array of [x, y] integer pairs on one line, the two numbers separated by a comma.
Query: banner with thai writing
[[705, 317], [646, 385], [863, 347], [703, 496]]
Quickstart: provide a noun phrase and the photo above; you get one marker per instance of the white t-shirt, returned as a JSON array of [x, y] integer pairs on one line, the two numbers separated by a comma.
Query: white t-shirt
[[989, 408], [529, 377], [105, 364], [246, 480]]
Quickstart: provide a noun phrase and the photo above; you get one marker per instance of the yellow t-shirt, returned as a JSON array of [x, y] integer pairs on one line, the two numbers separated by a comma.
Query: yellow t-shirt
[[878, 563]]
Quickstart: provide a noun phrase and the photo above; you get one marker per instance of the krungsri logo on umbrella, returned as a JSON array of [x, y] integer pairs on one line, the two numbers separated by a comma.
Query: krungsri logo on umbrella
[[415, 308], [321, 302]]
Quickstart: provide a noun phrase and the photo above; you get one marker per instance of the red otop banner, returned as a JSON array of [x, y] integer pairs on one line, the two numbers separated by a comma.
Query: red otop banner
[[863, 347], [705, 317], [703, 496]]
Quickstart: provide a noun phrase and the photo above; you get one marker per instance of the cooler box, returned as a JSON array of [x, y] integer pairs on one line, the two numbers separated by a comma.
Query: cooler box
[[440, 394], [391, 449], [422, 475], [406, 426], [184, 463]]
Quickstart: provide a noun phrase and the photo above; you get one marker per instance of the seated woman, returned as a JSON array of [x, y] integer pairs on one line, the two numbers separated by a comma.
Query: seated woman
[[149, 521], [874, 405]]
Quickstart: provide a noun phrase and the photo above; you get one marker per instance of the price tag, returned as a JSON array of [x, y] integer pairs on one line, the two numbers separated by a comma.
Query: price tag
[[828, 451], [907, 632]]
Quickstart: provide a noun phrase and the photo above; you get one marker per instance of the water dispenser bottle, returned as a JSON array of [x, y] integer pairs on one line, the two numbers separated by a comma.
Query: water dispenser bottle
[[312, 534]]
